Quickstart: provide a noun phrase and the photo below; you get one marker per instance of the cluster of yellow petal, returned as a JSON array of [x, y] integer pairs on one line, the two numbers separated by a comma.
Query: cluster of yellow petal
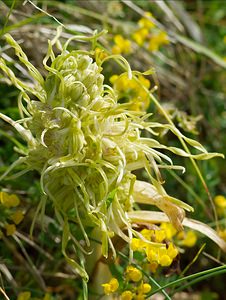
[[147, 32], [220, 202], [132, 90], [111, 286], [162, 256], [165, 255], [122, 45], [156, 256], [11, 201], [157, 40], [133, 274]]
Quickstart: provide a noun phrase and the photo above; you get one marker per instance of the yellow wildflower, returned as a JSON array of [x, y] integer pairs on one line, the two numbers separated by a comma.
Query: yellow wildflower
[[190, 239], [147, 233], [127, 295], [144, 288], [160, 235], [169, 229], [153, 266], [165, 260], [121, 45], [222, 234], [137, 244], [158, 40], [220, 201], [10, 229], [17, 217], [9, 200], [133, 274], [224, 39], [24, 296], [152, 254], [140, 297], [172, 251], [140, 36], [111, 286], [100, 54], [145, 22], [132, 90]]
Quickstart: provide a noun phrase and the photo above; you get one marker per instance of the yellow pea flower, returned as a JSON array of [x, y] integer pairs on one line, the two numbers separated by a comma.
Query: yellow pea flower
[[146, 23], [152, 254], [160, 235], [222, 234], [190, 239], [158, 40], [127, 295], [111, 286], [24, 296], [9, 200], [100, 54], [169, 229], [140, 297], [153, 266], [121, 45], [144, 288], [133, 274], [147, 233], [140, 35], [17, 217], [220, 201], [10, 229], [172, 251], [136, 244], [165, 261]]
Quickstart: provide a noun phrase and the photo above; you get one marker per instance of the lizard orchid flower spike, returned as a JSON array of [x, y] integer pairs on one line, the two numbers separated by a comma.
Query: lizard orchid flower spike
[[86, 145]]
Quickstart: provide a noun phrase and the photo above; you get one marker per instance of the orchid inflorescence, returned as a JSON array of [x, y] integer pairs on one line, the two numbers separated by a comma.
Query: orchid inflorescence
[[86, 145]]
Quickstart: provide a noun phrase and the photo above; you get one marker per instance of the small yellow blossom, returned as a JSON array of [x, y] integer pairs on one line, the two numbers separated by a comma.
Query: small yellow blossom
[[100, 54], [172, 251], [160, 235], [144, 288], [190, 239], [133, 274], [24, 296], [10, 229], [17, 217], [224, 39], [9, 200], [158, 40], [169, 229], [121, 45], [111, 286], [152, 254], [140, 36], [165, 261], [153, 266], [147, 234], [140, 297], [145, 22], [222, 234], [137, 245], [132, 90], [220, 201], [127, 295]]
